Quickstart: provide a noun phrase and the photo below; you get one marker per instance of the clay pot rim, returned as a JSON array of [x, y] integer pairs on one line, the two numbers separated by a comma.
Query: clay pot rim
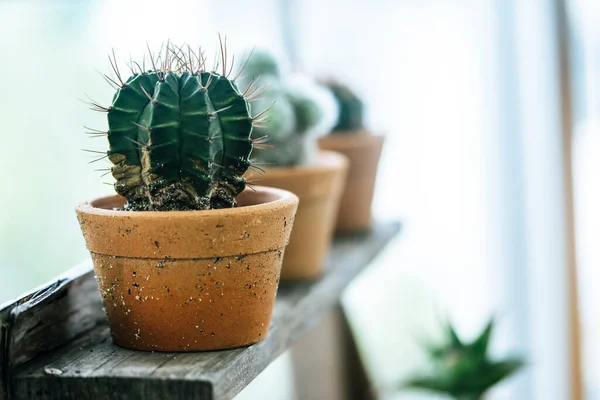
[[353, 132], [352, 139], [326, 160], [282, 199]]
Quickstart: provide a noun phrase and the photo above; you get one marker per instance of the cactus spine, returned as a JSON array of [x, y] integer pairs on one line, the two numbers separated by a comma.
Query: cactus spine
[[179, 135], [351, 108]]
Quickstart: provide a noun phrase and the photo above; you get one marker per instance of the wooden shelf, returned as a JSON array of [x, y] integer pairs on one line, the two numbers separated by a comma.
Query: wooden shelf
[[56, 345]]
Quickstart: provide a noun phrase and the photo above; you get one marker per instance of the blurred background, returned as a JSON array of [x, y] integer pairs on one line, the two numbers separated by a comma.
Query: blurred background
[[491, 110]]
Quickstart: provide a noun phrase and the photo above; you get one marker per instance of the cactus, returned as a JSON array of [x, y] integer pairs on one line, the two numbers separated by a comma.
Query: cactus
[[463, 370], [179, 135], [351, 108], [261, 63], [301, 110]]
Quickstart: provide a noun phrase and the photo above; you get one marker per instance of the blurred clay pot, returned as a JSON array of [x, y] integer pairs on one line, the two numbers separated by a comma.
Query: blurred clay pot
[[189, 280], [363, 150], [319, 187]]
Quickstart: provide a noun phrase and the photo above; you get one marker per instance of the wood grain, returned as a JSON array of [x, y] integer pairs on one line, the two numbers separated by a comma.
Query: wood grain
[[90, 366], [47, 318]]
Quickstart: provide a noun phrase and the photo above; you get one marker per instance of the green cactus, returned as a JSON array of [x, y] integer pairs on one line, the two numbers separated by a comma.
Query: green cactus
[[261, 63], [179, 136], [281, 121], [350, 106], [463, 370], [301, 110], [308, 109]]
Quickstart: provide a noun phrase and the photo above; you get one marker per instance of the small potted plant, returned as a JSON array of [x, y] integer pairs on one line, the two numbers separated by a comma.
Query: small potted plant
[[300, 111], [186, 258], [363, 150], [462, 370]]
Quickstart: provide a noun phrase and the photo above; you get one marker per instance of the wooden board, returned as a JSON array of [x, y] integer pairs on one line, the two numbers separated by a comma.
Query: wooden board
[[87, 365], [47, 318]]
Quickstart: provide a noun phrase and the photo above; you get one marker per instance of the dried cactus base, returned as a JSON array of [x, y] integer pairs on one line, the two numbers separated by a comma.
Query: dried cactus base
[[171, 198]]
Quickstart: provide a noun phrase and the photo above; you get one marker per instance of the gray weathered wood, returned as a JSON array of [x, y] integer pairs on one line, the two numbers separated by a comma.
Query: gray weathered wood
[[90, 366], [47, 318]]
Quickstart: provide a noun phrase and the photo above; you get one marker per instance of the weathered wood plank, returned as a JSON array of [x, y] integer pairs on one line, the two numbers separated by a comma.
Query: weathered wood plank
[[91, 367], [47, 318]]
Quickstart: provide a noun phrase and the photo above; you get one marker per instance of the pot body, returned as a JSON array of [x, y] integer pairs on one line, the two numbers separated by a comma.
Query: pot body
[[189, 280], [363, 150], [319, 187]]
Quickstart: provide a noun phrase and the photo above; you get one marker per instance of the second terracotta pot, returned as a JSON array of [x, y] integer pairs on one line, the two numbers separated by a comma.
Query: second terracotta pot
[[363, 150], [319, 187]]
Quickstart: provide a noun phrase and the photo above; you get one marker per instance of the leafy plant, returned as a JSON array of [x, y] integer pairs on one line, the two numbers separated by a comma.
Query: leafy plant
[[351, 108], [463, 370], [300, 110], [179, 135]]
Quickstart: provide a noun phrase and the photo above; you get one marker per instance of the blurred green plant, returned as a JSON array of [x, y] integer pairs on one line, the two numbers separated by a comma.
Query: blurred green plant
[[300, 110], [463, 370], [351, 108]]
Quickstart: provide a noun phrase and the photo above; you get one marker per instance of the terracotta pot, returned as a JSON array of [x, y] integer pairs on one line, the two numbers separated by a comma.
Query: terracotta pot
[[189, 280], [363, 150], [319, 187]]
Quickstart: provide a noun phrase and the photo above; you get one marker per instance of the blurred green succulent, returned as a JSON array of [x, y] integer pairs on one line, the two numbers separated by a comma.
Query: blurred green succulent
[[351, 108], [463, 370], [260, 63], [300, 109]]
